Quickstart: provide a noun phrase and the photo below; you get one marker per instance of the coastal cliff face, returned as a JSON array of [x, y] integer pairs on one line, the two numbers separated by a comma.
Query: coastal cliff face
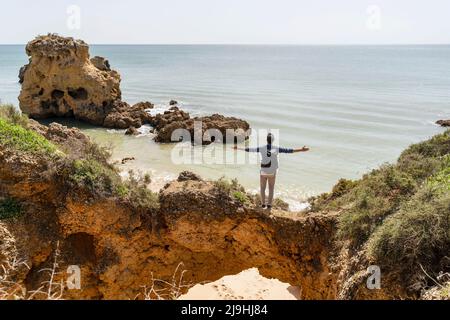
[[121, 248], [62, 204]]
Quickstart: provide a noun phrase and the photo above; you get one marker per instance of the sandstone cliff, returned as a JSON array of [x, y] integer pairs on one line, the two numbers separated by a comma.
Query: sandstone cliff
[[122, 243], [61, 200], [62, 81]]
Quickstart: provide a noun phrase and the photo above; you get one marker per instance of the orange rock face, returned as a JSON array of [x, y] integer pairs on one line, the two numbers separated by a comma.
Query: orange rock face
[[119, 249], [62, 81]]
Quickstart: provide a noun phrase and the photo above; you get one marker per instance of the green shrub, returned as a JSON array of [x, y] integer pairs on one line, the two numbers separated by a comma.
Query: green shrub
[[225, 186], [418, 166], [94, 176], [342, 187], [122, 190], [21, 139], [91, 170], [280, 204], [9, 208], [241, 197], [366, 203], [233, 189], [143, 198], [11, 114], [444, 292], [136, 190], [437, 146], [417, 235], [326, 200], [441, 181], [97, 152]]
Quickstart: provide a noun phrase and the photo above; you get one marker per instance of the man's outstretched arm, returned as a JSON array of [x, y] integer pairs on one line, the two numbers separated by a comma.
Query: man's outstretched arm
[[246, 149], [289, 150], [304, 149]]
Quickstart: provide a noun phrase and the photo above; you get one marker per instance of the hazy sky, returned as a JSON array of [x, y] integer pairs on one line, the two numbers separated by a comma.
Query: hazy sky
[[229, 21]]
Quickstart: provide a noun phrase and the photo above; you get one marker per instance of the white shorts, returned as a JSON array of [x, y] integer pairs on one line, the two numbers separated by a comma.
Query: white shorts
[[268, 174]]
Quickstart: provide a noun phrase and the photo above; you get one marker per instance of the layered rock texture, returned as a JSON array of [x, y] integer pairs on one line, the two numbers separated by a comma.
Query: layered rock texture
[[197, 229], [443, 123], [176, 125], [61, 80], [120, 248]]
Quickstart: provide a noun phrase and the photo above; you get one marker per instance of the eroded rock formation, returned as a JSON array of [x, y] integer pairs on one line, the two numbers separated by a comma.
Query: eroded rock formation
[[201, 130], [61, 80], [119, 249], [443, 123], [123, 116], [197, 228]]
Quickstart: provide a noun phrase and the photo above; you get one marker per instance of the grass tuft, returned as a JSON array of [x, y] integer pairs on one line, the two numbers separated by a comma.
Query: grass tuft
[[18, 138], [11, 114]]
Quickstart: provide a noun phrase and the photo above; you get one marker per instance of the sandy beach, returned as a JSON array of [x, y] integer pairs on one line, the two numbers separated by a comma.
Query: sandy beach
[[247, 285]]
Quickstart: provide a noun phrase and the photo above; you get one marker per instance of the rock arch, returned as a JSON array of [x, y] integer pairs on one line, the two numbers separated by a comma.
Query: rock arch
[[119, 250]]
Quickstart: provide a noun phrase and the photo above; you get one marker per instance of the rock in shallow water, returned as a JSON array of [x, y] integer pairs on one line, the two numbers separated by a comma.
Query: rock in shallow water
[[61, 80], [127, 159], [443, 123], [176, 125], [131, 131], [122, 116]]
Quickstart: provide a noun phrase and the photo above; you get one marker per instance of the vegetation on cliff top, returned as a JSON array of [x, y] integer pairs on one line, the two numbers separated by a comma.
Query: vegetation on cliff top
[[89, 169], [418, 234], [400, 211], [232, 189], [237, 192], [93, 171], [14, 133]]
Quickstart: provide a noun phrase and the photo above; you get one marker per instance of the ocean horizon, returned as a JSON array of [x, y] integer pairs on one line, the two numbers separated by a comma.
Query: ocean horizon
[[355, 106]]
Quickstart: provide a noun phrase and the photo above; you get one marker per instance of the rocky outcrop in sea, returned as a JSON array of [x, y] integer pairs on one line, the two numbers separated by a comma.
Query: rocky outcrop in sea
[[200, 130], [443, 123], [61, 80]]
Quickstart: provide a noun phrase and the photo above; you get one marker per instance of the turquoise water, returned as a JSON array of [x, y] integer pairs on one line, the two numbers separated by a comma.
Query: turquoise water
[[355, 106]]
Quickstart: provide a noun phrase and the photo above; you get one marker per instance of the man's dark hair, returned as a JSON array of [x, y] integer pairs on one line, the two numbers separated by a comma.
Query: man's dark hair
[[270, 138]]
